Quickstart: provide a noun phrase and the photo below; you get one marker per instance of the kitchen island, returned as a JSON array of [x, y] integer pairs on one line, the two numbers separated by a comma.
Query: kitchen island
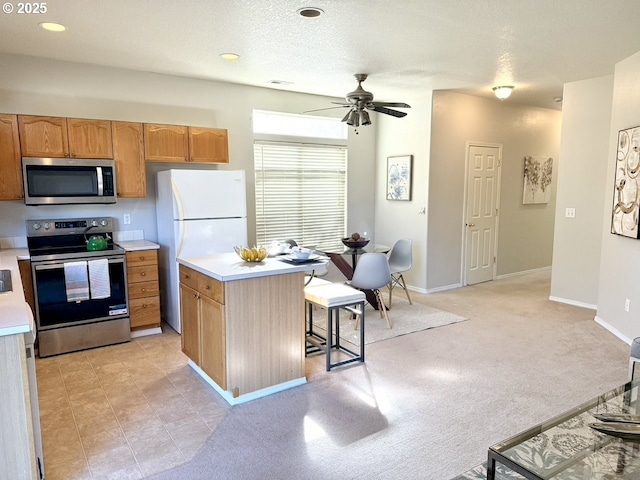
[[243, 323]]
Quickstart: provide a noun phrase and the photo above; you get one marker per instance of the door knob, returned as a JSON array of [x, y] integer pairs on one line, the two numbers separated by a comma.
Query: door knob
[[471, 224]]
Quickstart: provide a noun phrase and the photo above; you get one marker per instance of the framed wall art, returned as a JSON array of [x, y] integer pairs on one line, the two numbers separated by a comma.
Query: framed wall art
[[538, 173], [399, 177], [626, 189]]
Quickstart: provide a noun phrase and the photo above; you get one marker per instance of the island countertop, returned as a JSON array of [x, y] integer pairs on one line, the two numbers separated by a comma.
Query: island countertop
[[227, 267]]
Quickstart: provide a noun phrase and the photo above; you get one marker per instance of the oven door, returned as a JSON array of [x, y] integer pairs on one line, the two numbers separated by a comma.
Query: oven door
[[53, 309]]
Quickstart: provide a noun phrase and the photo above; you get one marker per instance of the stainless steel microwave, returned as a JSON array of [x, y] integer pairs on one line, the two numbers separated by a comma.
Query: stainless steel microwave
[[60, 181]]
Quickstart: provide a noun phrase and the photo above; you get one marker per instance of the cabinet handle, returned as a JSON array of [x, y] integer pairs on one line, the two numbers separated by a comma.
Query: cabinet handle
[[144, 306], [208, 287], [144, 290], [143, 274], [187, 277], [142, 258]]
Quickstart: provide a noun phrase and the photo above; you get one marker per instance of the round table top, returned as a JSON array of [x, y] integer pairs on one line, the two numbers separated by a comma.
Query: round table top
[[369, 248]]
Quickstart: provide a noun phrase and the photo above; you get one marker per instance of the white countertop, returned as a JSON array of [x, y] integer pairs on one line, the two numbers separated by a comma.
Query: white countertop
[[14, 312], [136, 245], [227, 267]]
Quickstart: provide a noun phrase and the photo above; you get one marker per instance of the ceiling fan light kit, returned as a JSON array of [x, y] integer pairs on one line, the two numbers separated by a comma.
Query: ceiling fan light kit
[[503, 92], [359, 101]]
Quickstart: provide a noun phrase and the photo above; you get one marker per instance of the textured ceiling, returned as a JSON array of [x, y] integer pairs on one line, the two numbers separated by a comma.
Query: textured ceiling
[[407, 47]]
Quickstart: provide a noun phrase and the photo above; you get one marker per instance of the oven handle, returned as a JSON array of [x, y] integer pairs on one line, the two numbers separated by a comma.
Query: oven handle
[[53, 266]]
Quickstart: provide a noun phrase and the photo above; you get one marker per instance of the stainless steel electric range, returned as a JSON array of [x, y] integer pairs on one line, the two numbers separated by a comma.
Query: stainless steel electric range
[[80, 285]]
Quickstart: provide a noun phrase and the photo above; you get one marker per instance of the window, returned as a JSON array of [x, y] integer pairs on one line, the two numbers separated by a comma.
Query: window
[[300, 193], [278, 123]]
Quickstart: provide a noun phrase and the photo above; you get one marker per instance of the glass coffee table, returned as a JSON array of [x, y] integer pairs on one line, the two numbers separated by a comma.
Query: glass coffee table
[[567, 448]]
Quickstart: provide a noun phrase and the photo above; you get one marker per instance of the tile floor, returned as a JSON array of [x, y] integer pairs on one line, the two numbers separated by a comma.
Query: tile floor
[[125, 411]]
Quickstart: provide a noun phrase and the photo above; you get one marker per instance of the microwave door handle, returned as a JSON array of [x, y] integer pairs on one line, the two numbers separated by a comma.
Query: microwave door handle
[[100, 182]]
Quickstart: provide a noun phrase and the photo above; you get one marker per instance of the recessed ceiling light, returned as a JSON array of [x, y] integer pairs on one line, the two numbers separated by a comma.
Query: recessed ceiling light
[[53, 27], [310, 12], [230, 56]]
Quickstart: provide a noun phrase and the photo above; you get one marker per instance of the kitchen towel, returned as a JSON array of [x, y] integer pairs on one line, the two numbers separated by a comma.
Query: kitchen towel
[[76, 281], [99, 283]]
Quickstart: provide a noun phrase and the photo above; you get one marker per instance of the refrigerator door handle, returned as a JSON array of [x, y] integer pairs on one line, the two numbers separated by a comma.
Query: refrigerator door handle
[[177, 199]]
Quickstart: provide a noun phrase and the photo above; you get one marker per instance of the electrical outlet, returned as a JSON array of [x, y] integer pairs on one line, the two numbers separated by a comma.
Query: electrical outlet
[[570, 212], [627, 305], [127, 218]]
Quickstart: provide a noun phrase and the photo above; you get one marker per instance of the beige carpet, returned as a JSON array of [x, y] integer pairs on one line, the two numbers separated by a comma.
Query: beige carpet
[[405, 318]]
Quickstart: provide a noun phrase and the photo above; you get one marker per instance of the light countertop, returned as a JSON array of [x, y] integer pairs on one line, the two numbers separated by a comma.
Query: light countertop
[[227, 267], [15, 316], [136, 245]]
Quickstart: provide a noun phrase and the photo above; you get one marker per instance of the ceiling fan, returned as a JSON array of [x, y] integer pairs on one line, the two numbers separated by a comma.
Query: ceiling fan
[[359, 101]]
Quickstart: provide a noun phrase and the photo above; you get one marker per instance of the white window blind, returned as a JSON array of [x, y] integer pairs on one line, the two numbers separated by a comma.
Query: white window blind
[[300, 193]]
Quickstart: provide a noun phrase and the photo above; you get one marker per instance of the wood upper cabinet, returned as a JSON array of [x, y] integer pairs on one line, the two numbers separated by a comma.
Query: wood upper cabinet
[[166, 143], [11, 187], [208, 145], [178, 144], [128, 152], [89, 138], [65, 137], [43, 136]]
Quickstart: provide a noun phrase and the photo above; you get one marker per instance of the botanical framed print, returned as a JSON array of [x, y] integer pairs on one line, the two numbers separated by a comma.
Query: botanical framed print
[[538, 173], [626, 189], [399, 177]]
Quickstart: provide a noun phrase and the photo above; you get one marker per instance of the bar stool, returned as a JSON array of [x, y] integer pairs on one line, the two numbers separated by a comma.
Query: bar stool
[[333, 297], [634, 356]]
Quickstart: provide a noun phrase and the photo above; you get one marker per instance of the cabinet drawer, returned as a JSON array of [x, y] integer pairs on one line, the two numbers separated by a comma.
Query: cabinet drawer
[[189, 277], [144, 312], [146, 273], [211, 288], [143, 257], [144, 289]]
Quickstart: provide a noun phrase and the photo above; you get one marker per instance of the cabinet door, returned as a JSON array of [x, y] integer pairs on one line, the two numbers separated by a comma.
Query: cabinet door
[[90, 138], [189, 302], [166, 143], [212, 338], [11, 187], [144, 312], [43, 136], [128, 152], [208, 145]]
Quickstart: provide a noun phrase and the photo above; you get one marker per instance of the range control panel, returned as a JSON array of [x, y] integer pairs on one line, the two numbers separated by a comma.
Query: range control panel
[[68, 226]]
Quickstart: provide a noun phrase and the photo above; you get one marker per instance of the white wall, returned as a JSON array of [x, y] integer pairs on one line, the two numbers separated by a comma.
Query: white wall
[[402, 219], [586, 120], [525, 238], [620, 257], [36, 86]]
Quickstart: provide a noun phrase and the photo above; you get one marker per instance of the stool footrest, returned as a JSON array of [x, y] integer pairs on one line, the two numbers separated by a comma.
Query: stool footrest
[[353, 310]]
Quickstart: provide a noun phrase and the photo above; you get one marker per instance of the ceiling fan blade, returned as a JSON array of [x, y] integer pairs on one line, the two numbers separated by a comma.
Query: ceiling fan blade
[[342, 103], [328, 108], [388, 111], [391, 104]]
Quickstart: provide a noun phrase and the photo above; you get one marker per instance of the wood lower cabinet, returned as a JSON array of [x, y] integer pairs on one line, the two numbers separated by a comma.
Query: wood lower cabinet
[[27, 283], [128, 152], [190, 314], [60, 137], [11, 187], [144, 290]]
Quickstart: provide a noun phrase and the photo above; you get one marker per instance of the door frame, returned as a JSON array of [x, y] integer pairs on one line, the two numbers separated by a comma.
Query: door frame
[[463, 254]]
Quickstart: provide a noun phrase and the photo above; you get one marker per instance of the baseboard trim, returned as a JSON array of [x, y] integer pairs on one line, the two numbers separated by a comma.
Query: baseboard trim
[[575, 303], [144, 333], [444, 288], [247, 397], [613, 330], [524, 272]]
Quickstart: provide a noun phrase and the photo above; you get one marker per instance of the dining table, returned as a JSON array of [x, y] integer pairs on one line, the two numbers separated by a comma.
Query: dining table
[[339, 257]]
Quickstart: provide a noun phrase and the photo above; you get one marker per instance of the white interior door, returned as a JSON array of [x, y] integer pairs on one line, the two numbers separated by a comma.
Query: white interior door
[[483, 180]]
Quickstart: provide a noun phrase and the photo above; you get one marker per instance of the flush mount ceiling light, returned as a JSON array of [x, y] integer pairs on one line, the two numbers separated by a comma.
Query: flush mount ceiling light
[[230, 56], [53, 27], [503, 92], [280, 82], [310, 12]]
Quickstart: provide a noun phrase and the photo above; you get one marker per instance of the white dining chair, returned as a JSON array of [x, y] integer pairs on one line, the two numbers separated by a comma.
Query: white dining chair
[[400, 261], [372, 273]]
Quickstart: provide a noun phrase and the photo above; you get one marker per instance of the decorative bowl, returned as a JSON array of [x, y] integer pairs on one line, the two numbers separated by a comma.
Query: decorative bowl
[[351, 243], [255, 254], [301, 253]]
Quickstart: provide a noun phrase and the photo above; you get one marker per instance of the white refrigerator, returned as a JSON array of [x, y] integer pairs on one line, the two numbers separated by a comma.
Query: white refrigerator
[[199, 212]]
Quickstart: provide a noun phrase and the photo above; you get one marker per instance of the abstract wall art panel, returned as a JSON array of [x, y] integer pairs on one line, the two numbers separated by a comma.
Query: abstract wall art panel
[[624, 215], [538, 173]]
